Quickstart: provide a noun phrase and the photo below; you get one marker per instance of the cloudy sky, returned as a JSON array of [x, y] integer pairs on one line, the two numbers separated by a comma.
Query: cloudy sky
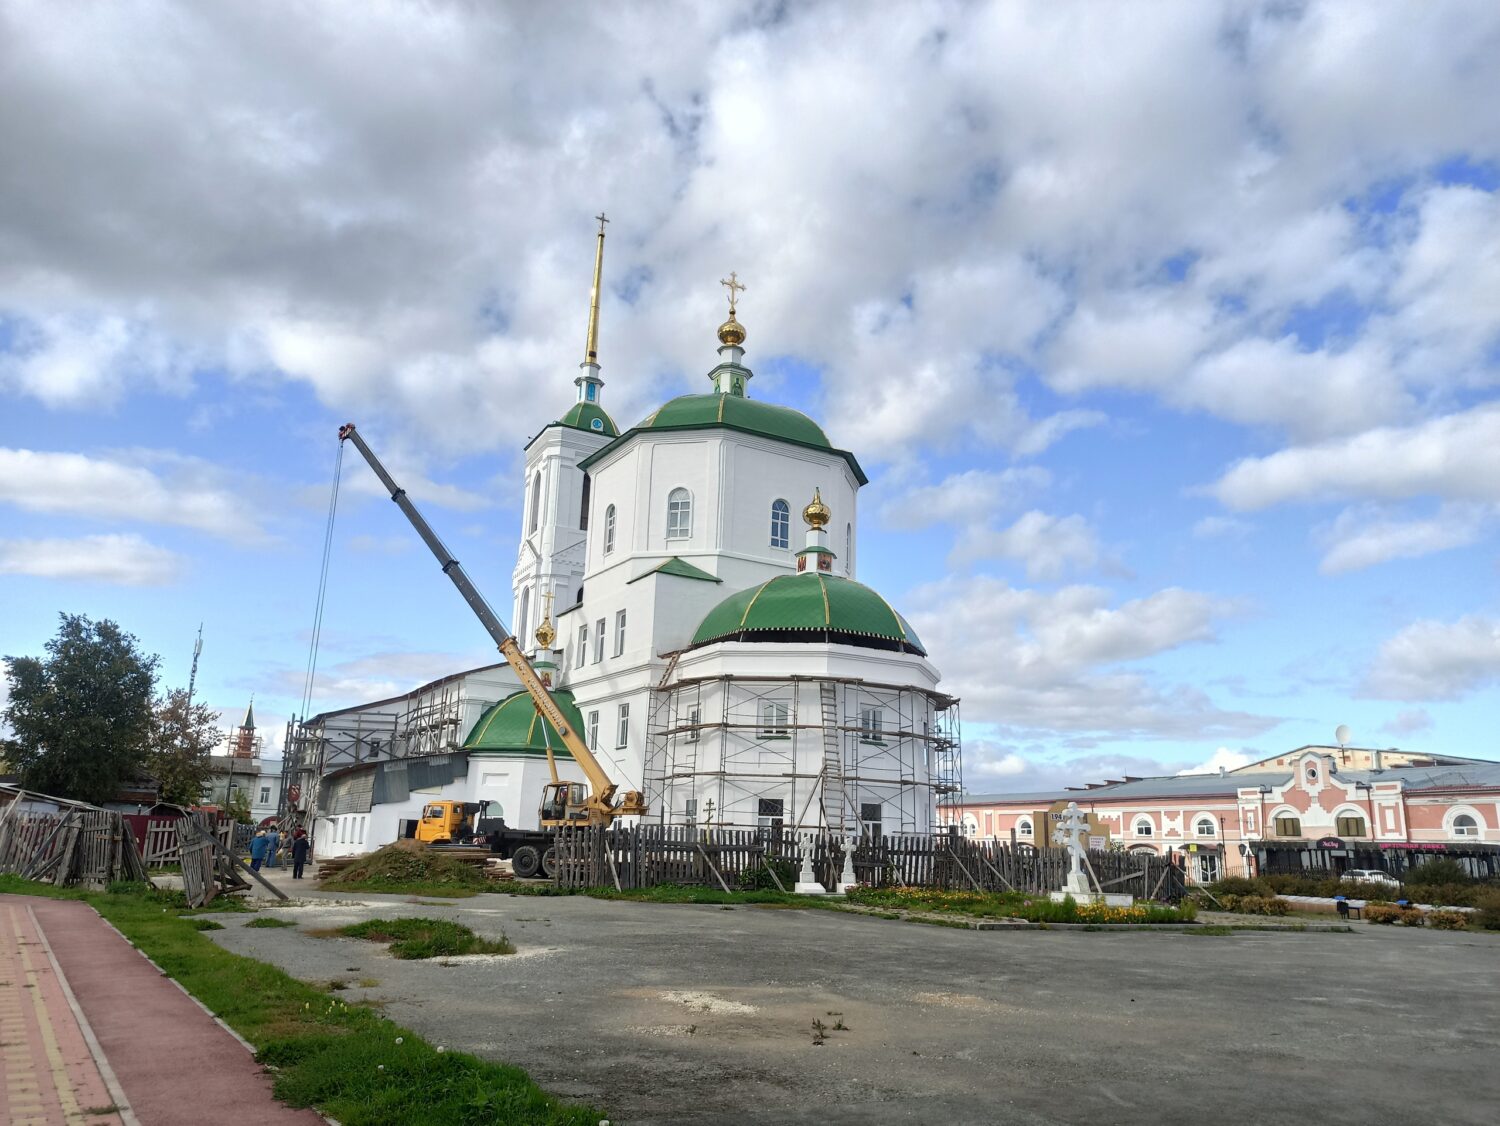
[[1169, 334]]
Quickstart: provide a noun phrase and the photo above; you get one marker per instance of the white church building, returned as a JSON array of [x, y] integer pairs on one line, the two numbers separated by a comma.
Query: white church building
[[689, 584]]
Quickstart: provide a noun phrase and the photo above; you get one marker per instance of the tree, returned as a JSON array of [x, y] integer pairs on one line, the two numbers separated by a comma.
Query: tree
[[238, 807], [183, 738], [81, 718]]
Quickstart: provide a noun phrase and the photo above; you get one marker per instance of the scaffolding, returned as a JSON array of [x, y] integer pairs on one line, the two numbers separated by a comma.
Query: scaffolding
[[801, 752], [428, 721]]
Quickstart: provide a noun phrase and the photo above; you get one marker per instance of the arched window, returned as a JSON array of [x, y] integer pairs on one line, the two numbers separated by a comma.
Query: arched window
[[679, 514], [522, 615], [1143, 827], [1204, 827], [609, 529], [1465, 826], [536, 502], [1023, 827], [781, 524], [583, 508]]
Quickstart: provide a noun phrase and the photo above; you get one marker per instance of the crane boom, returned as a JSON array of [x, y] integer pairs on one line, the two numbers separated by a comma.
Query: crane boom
[[600, 807]]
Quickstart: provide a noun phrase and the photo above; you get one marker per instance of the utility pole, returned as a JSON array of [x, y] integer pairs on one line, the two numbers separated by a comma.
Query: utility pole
[[193, 675]]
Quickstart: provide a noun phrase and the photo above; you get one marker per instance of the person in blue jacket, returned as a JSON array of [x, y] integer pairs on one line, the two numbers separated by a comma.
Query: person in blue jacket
[[273, 846], [258, 846]]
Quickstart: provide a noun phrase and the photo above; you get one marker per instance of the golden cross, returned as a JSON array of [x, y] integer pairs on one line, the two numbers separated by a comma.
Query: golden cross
[[547, 596], [602, 221], [732, 283]]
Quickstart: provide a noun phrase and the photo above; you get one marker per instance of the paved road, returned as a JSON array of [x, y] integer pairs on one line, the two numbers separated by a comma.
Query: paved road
[[684, 1014], [93, 1033]]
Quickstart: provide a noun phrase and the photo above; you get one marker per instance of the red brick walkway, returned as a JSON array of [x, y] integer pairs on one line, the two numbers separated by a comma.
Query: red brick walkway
[[91, 1032]]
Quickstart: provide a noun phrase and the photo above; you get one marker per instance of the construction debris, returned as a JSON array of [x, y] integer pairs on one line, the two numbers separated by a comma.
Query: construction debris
[[65, 843]]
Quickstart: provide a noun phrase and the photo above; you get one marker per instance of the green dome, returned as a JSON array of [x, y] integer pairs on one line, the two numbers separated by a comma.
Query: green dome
[[514, 726], [821, 607], [688, 412], [591, 417]]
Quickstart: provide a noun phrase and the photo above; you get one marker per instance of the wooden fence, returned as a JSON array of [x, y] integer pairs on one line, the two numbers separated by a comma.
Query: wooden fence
[[78, 845], [158, 839], [643, 856]]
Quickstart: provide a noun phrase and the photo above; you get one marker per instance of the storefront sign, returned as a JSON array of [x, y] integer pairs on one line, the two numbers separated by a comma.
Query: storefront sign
[[1424, 846], [1330, 842]]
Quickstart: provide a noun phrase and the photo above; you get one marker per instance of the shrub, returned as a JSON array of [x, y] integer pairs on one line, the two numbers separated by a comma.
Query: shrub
[[1488, 915], [1411, 917], [759, 879], [1440, 871], [1263, 905], [1445, 895], [1447, 920], [1383, 914], [1238, 885]]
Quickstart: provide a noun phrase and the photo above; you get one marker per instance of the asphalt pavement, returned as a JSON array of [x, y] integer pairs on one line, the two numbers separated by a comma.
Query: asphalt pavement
[[699, 1014]]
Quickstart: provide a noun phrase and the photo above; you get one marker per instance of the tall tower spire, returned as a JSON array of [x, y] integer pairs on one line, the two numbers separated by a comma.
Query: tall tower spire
[[589, 384]]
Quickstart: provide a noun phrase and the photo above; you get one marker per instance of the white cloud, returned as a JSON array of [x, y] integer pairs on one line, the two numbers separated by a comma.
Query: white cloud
[[1059, 663], [374, 676], [1221, 527], [1360, 538], [1049, 546], [1455, 457], [117, 560], [973, 495], [115, 490], [1221, 759], [1430, 660], [1410, 721]]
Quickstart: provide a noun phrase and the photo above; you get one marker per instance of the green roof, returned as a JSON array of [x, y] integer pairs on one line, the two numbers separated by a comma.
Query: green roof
[[682, 569], [734, 412], [826, 607], [591, 417], [514, 726]]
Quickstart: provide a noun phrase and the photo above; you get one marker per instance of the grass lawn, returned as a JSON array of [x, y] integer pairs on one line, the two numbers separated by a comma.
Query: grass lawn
[[426, 938], [346, 1061]]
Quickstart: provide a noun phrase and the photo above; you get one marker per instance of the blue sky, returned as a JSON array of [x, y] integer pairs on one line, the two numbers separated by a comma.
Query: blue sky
[[1169, 335]]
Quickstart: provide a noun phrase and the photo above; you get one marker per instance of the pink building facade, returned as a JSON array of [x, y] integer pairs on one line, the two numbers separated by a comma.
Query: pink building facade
[[1308, 812]]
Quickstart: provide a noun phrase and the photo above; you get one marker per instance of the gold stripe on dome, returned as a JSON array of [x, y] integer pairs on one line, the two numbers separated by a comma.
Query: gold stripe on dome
[[827, 613], [746, 614], [722, 398]]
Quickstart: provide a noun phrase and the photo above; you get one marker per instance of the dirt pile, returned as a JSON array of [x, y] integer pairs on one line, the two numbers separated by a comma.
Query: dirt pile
[[407, 865]]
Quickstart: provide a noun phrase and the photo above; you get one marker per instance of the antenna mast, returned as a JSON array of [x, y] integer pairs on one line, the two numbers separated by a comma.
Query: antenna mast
[[193, 675]]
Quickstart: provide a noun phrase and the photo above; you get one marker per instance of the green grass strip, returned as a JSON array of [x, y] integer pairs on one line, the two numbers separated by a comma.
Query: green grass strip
[[346, 1061], [426, 938]]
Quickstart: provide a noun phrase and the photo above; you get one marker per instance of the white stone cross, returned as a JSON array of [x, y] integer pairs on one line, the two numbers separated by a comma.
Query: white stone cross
[[1072, 833]]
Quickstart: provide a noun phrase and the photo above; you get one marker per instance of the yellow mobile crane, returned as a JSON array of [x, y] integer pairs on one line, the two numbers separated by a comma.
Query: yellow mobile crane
[[563, 803]]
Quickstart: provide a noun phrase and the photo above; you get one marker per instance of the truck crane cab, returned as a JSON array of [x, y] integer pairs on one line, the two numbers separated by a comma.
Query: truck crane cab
[[564, 803]]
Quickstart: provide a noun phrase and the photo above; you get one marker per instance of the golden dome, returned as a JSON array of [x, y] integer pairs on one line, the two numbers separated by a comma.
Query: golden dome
[[545, 634], [816, 514], [732, 332]]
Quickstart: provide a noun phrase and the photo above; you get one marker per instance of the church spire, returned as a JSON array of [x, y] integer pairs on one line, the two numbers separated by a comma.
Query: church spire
[[589, 384], [731, 375]]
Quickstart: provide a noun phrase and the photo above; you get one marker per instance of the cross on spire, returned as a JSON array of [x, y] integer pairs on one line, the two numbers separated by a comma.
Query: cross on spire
[[602, 221], [733, 284]]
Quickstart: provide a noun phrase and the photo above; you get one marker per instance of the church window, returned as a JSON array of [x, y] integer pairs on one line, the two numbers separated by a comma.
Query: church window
[[622, 733], [768, 816], [869, 819], [695, 716], [583, 645], [593, 731], [609, 529], [583, 508], [773, 719], [597, 424], [524, 613], [872, 724], [536, 502], [679, 514], [619, 633], [848, 549], [593, 393], [781, 524], [599, 641]]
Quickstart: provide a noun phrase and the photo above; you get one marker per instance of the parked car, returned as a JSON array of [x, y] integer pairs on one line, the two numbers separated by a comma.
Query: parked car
[[1371, 876]]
